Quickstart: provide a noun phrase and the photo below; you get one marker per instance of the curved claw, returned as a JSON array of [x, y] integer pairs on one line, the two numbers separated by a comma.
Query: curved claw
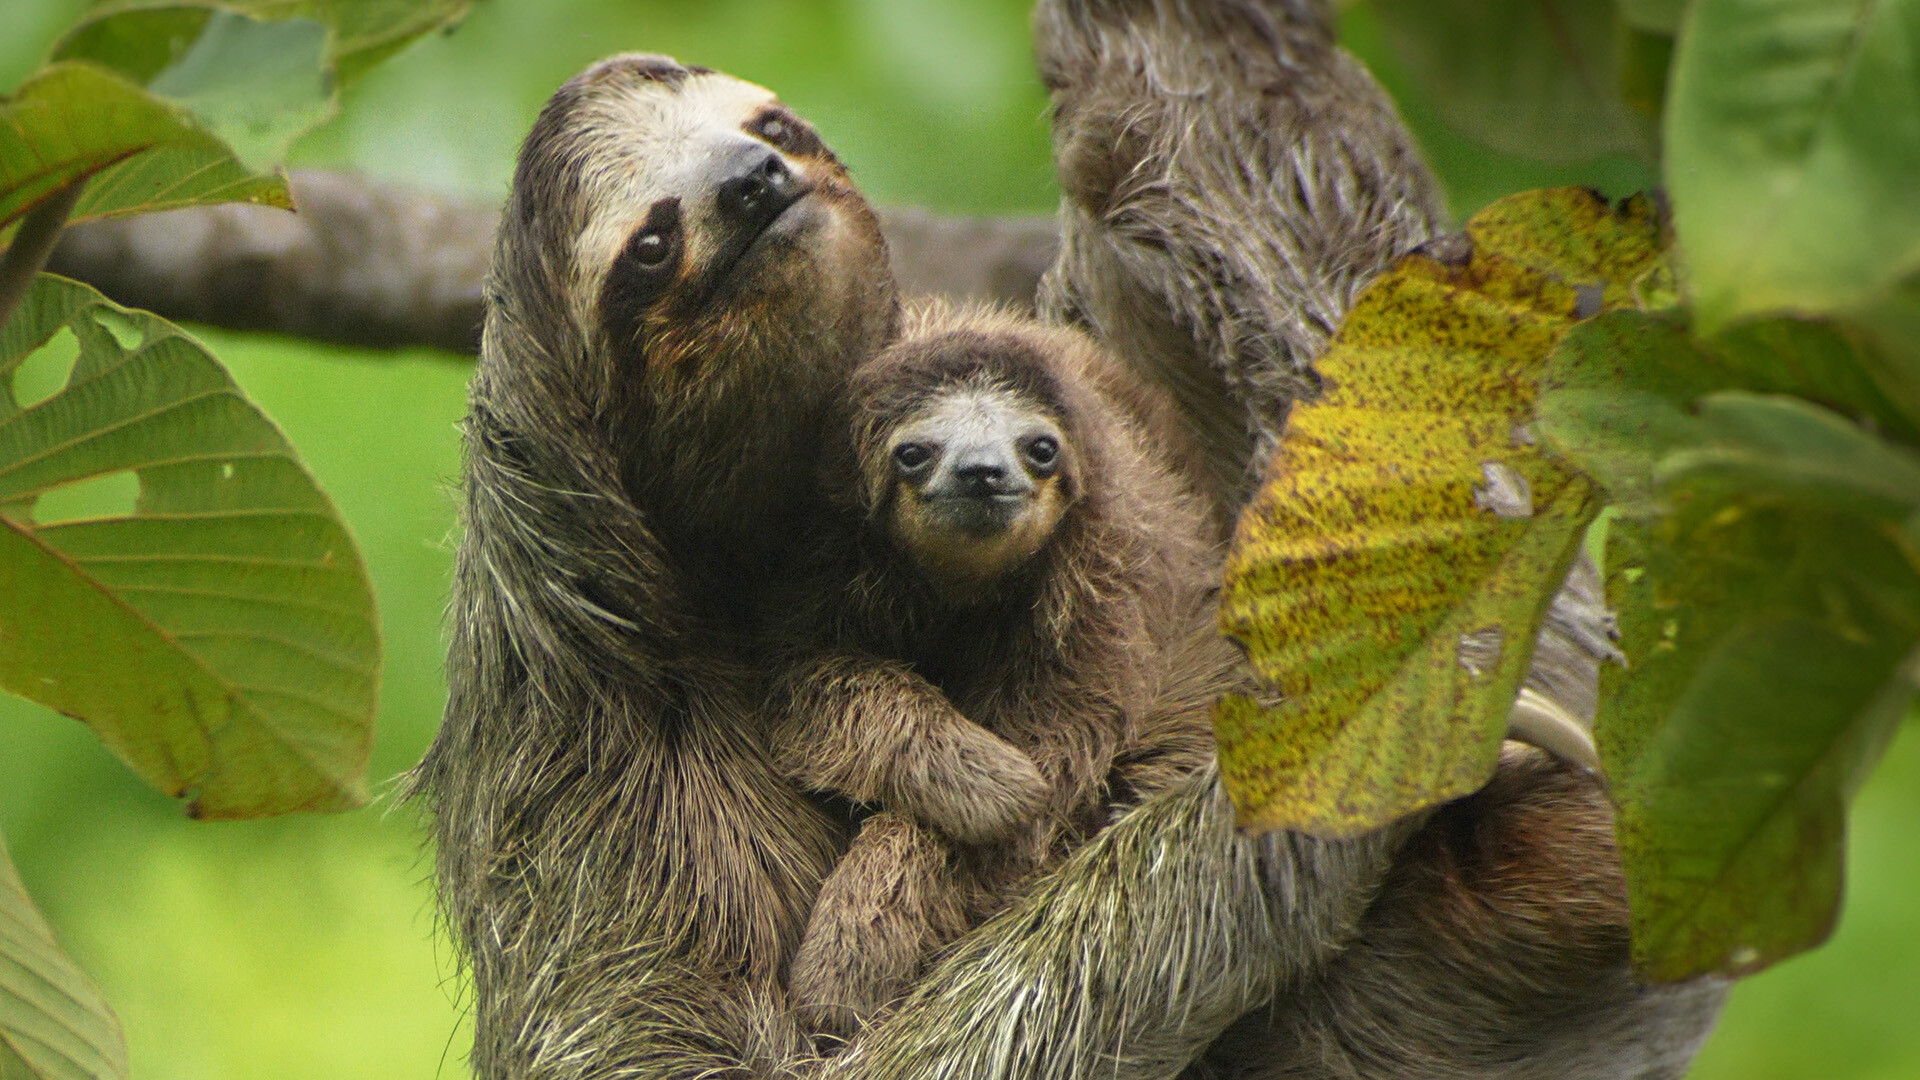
[[1538, 720]]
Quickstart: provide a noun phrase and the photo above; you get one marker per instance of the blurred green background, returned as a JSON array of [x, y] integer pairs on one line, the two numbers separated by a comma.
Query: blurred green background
[[305, 948]]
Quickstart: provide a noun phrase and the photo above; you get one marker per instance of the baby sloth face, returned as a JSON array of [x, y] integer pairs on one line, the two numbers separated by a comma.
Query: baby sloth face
[[980, 479]]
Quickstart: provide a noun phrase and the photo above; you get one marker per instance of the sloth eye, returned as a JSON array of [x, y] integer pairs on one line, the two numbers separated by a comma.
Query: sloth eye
[[650, 249], [1043, 451], [911, 456], [775, 130]]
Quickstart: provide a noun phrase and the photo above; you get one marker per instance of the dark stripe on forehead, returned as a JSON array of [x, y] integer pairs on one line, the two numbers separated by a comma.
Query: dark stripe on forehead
[[905, 376], [644, 67]]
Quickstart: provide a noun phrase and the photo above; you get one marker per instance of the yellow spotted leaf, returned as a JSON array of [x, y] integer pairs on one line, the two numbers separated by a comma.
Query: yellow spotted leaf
[[1389, 579]]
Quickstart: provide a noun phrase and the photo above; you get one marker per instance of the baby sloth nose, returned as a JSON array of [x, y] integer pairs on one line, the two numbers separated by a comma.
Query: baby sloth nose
[[760, 192], [983, 473]]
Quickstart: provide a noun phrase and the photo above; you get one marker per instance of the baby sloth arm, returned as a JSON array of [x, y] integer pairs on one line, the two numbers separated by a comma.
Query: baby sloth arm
[[873, 731]]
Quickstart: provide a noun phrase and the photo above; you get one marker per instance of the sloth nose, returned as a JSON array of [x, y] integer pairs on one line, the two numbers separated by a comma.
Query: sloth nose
[[761, 191], [983, 473]]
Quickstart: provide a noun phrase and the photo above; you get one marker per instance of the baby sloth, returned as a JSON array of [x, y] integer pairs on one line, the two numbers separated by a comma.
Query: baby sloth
[[1005, 630]]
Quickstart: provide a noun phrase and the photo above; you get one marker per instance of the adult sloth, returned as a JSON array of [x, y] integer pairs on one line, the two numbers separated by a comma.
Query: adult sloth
[[682, 275]]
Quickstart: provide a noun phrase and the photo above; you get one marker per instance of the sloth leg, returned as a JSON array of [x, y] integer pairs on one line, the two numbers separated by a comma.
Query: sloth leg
[[889, 903]]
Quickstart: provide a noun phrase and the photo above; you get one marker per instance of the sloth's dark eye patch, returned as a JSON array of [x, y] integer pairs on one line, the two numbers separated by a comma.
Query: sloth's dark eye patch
[[782, 129], [654, 248], [644, 270]]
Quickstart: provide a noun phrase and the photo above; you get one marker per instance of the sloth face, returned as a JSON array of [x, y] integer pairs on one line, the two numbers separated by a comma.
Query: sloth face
[[979, 480], [711, 214], [700, 276]]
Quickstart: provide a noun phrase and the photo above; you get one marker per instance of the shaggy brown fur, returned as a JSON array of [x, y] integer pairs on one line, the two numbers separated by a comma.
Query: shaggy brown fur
[[1232, 181], [625, 872], [621, 865], [988, 712]]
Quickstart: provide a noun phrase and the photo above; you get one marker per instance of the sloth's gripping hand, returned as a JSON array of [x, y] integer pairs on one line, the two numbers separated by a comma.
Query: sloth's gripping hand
[[873, 731]]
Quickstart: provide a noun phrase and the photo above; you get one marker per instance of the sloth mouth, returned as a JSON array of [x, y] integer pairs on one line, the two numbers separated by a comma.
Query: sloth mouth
[[748, 238], [979, 515]]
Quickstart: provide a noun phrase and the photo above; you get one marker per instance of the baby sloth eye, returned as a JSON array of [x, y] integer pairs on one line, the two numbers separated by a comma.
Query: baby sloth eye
[[775, 130], [912, 457], [1043, 452]]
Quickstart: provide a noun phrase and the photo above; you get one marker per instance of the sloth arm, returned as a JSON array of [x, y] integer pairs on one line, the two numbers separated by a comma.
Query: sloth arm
[[875, 732], [1134, 955]]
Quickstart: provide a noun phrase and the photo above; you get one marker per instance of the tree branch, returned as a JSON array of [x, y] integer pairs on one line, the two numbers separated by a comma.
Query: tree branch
[[31, 243], [382, 265]]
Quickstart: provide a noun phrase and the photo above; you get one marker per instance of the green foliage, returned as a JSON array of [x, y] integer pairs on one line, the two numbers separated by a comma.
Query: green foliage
[[218, 633], [257, 86], [74, 122], [1750, 410], [54, 1025], [361, 33], [1793, 136], [220, 637], [1765, 573], [1388, 580], [1537, 79]]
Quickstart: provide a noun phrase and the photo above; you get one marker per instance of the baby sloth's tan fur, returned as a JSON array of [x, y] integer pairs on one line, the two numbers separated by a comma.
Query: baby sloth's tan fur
[[979, 635]]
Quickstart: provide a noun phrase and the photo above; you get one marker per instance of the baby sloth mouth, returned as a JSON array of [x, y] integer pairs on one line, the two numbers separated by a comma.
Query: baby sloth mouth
[[980, 515]]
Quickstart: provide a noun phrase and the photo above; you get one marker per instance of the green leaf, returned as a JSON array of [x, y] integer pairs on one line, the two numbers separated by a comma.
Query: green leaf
[[1757, 445], [54, 1025], [1662, 16], [364, 32], [1534, 78], [256, 85], [1390, 578], [1793, 141], [1771, 655], [73, 120], [1892, 324], [219, 634], [1627, 391]]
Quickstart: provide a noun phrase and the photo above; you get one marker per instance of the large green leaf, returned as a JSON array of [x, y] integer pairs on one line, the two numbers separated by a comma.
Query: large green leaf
[[1766, 580], [1771, 655], [1627, 389], [1535, 78], [363, 31], [1659, 15], [54, 1025], [256, 85], [1389, 579], [1793, 143], [74, 120], [220, 634]]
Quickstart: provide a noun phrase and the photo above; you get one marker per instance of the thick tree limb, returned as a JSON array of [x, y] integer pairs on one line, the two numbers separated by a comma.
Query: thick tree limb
[[383, 265]]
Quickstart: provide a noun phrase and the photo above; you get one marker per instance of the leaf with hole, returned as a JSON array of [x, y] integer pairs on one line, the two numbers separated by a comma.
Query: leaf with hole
[[219, 634], [1769, 605], [54, 1025], [1389, 579]]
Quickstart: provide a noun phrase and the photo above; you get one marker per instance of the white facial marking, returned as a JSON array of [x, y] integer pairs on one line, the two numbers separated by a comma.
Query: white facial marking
[[650, 141]]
